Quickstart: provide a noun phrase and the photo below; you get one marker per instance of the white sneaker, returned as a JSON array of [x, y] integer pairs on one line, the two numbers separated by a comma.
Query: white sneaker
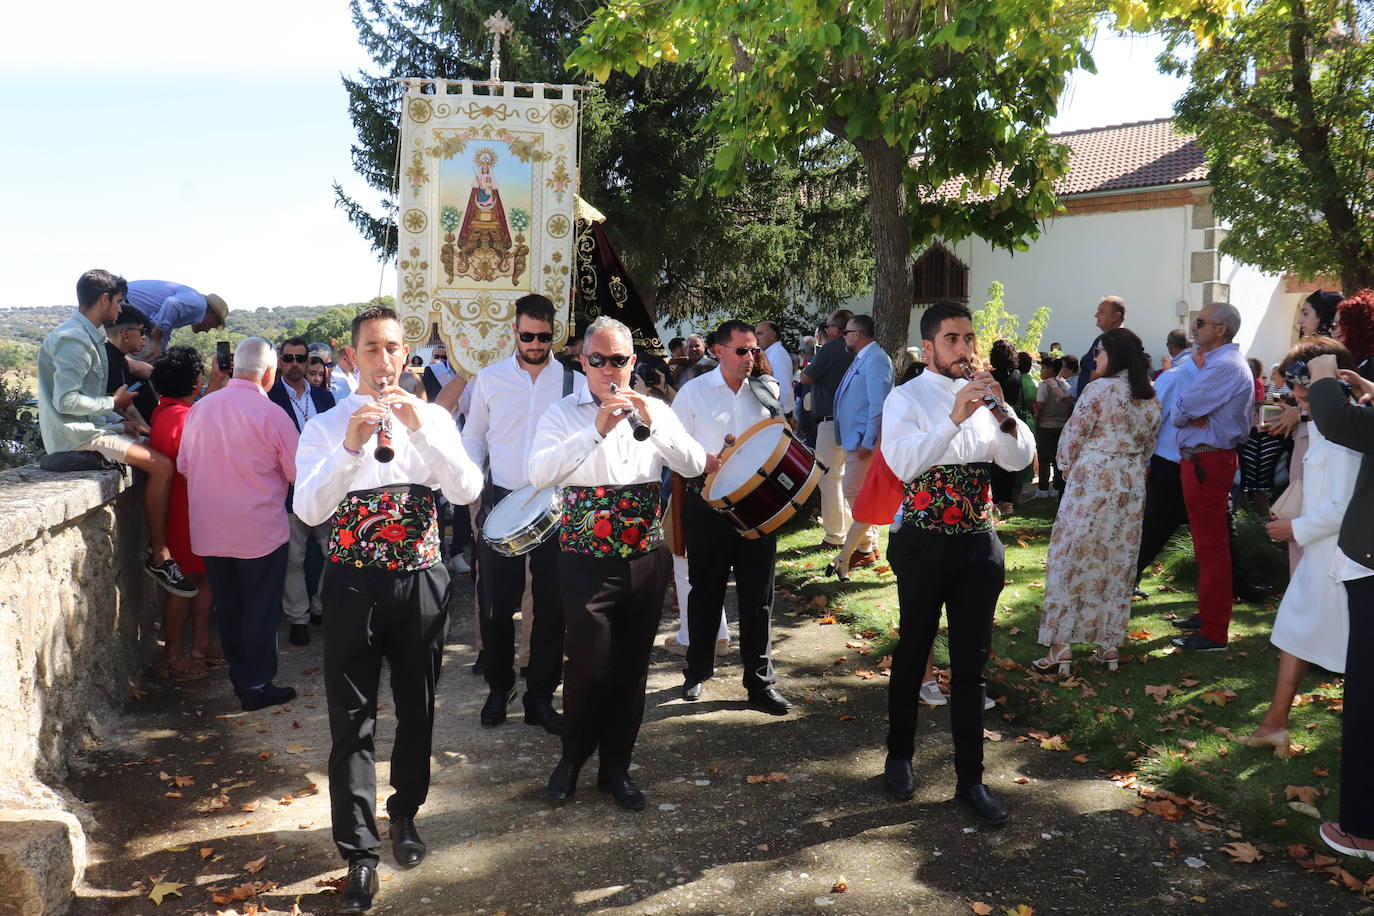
[[931, 695], [459, 564]]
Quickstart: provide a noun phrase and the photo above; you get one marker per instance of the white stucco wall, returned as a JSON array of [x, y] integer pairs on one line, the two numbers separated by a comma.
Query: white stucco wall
[[1144, 256]]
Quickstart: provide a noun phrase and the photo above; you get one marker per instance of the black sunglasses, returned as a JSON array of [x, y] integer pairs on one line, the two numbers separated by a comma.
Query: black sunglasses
[[527, 337], [740, 351], [618, 360], [294, 357]]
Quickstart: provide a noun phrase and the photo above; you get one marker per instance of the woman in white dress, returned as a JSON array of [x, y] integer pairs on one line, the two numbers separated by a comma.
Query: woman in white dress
[[1312, 625]]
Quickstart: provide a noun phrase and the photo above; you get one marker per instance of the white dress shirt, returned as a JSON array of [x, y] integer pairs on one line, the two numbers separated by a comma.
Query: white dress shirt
[[303, 404], [710, 411], [918, 433], [431, 456], [505, 410], [781, 362], [568, 450]]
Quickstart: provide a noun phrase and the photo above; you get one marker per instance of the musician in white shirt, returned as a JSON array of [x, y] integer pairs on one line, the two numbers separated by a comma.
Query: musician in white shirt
[[385, 585], [613, 566], [939, 438], [508, 398], [722, 403]]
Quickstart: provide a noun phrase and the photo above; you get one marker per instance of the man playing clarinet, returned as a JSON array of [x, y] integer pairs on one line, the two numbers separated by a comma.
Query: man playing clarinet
[[940, 439], [606, 447], [372, 467]]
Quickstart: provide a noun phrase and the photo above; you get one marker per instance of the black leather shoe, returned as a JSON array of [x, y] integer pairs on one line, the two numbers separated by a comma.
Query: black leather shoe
[[406, 846], [361, 888], [769, 700], [898, 778], [300, 634], [691, 690], [479, 667], [271, 695], [1192, 623], [563, 781], [983, 802], [317, 620], [623, 790], [544, 716], [1249, 591], [494, 709]]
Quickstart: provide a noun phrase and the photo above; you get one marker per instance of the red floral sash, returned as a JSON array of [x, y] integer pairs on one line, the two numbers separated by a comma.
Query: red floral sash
[[611, 521], [391, 528], [951, 499]]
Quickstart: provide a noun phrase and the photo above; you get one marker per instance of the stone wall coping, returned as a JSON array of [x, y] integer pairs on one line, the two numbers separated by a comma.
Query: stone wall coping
[[33, 501]]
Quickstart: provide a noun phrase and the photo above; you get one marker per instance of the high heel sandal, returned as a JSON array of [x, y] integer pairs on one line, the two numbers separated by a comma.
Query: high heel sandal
[[839, 568], [1063, 660], [1281, 742], [1110, 658]]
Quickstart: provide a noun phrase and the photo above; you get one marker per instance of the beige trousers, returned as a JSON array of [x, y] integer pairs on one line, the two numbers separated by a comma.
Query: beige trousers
[[863, 537], [835, 518]]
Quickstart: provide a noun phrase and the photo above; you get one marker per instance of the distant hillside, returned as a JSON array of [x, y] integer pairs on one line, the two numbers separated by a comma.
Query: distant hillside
[[31, 325]]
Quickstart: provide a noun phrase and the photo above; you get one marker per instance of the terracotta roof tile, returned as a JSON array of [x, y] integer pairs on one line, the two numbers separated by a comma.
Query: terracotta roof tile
[[1145, 154]]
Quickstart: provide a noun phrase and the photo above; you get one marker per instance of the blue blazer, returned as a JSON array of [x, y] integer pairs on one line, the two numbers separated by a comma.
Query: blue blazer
[[859, 399]]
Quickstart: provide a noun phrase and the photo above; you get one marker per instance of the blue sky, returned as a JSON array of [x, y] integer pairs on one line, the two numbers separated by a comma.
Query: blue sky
[[198, 143]]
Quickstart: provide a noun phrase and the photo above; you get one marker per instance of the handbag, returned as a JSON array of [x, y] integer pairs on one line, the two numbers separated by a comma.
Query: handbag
[[881, 494], [1289, 503]]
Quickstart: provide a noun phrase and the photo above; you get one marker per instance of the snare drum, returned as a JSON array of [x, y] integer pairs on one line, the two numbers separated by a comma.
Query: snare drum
[[522, 521], [764, 478]]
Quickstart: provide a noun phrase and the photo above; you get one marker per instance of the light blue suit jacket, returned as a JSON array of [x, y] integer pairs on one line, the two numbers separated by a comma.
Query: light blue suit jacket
[[859, 399]]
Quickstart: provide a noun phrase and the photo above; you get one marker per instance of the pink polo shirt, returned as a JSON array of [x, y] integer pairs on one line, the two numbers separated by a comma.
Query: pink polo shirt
[[238, 453]]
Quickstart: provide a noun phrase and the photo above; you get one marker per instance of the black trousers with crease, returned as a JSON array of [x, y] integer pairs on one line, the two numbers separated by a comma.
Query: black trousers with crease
[[375, 615], [612, 609], [714, 548], [961, 574]]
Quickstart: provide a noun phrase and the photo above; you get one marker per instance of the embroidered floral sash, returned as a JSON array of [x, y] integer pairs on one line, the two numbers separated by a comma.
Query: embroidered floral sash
[[387, 528], [611, 521], [951, 499]]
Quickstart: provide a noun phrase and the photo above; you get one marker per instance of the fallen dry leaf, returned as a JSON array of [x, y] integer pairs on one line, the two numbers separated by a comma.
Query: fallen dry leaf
[[255, 866], [839, 887], [1305, 808], [294, 748], [1306, 794], [866, 674], [1080, 758], [162, 888], [1242, 852], [1138, 635], [1020, 910], [184, 781], [206, 852], [982, 909], [1054, 743], [1160, 691], [1219, 697]]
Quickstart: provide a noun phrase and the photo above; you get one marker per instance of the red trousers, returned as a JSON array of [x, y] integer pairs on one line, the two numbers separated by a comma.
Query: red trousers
[[1207, 480]]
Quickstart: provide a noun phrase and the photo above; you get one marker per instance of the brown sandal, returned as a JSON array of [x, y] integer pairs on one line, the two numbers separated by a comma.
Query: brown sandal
[[166, 671], [216, 660]]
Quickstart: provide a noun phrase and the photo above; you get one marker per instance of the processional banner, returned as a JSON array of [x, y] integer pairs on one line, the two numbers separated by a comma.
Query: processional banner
[[486, 211]]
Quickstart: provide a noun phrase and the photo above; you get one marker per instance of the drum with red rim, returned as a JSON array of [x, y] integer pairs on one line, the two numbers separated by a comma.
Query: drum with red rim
[[764, 478]]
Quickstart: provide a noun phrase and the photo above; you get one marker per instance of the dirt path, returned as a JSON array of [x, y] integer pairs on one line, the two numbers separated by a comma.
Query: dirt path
[[709, 841]]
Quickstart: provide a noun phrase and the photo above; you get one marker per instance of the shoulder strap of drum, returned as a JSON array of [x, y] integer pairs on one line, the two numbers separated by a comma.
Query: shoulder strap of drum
[[567, 381], [764, 395]]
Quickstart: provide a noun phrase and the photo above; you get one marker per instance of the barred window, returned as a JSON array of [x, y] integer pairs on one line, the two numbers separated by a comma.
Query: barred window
[[940, 277]]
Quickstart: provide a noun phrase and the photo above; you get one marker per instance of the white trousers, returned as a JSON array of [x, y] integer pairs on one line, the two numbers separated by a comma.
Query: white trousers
[[835, 517], [296, 607]]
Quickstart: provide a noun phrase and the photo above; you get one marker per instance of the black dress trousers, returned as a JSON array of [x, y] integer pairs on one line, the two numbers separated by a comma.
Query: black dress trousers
[[961, 574], [714, 548], [377, 614], [502, 579], [612, 607]]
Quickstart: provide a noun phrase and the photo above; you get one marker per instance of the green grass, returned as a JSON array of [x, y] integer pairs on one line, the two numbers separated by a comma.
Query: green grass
[[1179, 743]]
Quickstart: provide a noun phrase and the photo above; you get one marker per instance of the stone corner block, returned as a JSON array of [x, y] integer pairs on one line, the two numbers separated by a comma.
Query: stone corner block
[[37, 870]]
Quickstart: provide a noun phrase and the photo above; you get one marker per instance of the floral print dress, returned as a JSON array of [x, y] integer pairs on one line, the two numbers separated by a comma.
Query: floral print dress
[[1090, 573]]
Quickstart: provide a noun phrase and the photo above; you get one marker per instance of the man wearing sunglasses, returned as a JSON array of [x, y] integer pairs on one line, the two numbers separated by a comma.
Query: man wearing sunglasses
[[302, 402], [508, 398], [1212, 417], [712, 407], [613, 565]]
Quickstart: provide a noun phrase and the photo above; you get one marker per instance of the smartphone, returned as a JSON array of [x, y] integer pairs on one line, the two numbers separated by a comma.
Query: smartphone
[[1270, 412], [223, 357], [134, 387]]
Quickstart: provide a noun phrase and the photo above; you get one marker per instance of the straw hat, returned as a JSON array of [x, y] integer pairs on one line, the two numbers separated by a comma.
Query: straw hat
[[218, 306]]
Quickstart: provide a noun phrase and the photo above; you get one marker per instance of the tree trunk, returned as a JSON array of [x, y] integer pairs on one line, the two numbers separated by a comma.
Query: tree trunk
[[892, 284]]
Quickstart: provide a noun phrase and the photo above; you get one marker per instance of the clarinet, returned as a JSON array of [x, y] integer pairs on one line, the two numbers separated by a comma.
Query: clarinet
[[1006, 420], [638, 427], [384, 452]]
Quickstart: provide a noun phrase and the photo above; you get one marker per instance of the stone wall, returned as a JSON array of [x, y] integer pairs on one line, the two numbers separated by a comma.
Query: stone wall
[[78, 618]]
